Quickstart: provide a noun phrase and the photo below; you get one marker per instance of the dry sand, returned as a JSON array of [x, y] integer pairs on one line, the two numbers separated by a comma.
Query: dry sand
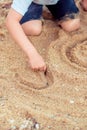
[[27, 102]]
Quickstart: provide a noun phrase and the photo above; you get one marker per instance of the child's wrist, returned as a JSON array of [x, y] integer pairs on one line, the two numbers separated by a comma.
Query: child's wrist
[[31, 53]]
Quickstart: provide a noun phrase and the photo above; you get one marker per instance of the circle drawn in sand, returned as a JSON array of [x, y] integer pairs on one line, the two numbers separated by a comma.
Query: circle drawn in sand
[[69, 58], [77, 53], [45, 80]]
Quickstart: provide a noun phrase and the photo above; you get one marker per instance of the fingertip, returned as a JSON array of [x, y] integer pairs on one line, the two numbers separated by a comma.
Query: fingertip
[[45, 69]]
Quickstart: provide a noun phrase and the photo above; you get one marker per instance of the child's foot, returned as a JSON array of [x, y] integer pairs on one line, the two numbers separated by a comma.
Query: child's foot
[[83, 4]]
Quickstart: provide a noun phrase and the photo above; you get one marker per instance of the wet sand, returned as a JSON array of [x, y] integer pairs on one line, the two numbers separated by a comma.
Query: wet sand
[[31, 101]]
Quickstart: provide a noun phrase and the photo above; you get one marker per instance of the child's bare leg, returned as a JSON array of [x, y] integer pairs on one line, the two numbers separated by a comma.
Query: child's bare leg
[[33, 27], [31, 21], [70, 25], [84, 4], [66, 12]]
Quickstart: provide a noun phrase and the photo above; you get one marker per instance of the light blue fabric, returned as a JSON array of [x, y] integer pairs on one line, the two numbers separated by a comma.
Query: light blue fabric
[[21, 6]]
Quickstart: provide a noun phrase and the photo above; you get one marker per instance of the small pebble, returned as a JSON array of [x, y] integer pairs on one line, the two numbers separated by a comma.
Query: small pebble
[[24, 125], [49, 127], [11, 121], [37, 126], [77, 89], [72, 101], [2, 104], [13, 128]]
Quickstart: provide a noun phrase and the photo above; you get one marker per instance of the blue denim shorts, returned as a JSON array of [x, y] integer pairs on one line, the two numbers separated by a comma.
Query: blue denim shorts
[[61, 11]]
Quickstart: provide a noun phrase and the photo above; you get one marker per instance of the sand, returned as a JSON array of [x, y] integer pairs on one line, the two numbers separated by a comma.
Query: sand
[[30, 101]]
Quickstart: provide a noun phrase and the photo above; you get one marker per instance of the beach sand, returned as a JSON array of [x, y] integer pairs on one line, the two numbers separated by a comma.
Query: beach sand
[[31, 101]]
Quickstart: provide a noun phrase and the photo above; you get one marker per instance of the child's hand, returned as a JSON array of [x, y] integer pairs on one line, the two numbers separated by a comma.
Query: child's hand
[[36, 62]]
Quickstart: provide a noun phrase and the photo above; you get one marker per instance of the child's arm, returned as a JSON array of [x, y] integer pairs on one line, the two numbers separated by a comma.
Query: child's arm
[[16, 31]]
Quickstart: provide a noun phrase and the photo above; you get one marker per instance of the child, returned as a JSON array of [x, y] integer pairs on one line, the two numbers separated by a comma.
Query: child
[[84, 4], [24, 19]]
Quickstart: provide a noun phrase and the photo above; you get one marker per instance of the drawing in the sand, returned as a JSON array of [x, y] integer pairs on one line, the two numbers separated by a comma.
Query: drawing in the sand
[[38, 100]]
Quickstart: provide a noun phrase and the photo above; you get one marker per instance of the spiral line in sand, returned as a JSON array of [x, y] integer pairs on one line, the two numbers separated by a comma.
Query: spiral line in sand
[[69, 58]]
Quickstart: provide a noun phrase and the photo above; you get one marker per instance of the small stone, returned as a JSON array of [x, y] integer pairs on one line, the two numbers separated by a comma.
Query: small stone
[[13, 128], [49, 127], [72, 101], [77, 89], [11, 121], [2, 104], [37, 126], [24, 125]]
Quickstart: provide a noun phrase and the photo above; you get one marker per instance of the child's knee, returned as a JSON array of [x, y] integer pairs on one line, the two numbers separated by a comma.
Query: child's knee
[[37, 30], [83, 3], [71, 25], [32, 28]]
